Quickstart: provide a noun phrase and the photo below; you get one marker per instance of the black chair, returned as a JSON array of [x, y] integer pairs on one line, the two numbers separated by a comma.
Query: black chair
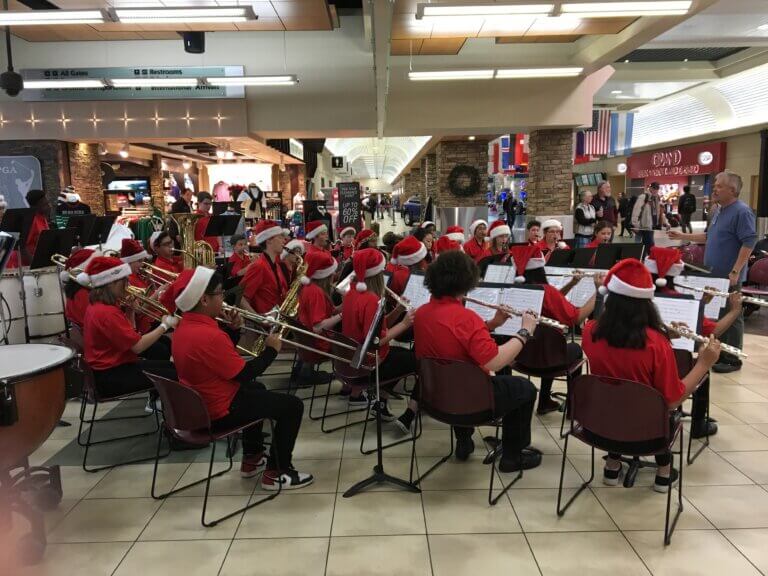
[[623, 417], [186, 419], [458, 394], [685, 363]]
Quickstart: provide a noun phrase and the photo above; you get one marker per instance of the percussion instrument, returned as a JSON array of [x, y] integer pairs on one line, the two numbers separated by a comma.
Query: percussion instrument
[[713, 292], [684, 332], [45, 306], [514, 312]]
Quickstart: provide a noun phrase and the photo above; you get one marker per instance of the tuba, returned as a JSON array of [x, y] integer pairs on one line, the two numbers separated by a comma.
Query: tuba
[[196, 252], [288, 308]]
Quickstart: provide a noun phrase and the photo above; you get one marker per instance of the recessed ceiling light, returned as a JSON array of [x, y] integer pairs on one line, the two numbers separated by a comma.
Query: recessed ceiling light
[[51, 17], [685, 59], [490, 9], [616, 91], [621, 9], [539, 72], [470, 137], [153, 82], [286, 80], [626, 61], [763, 27], [186, 15], [451, 75], [62, 84]]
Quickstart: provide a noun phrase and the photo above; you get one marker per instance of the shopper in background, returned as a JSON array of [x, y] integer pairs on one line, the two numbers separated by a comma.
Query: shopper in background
[[648, 216], [605, 205], [585, 216], [184, 203], [625, 212], [686, 206]]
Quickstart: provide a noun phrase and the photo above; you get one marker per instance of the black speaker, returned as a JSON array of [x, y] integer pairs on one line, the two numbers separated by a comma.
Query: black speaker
[[194, 42]]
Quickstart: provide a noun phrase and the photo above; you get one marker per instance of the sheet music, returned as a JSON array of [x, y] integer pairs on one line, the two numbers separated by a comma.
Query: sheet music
[[520, 299], [579, 294], [415, 291], [343, 286], [500, 274], [679, 310], [490, 295], [711, 310]]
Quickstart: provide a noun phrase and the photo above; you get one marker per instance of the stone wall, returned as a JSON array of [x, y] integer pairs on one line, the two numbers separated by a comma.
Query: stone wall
[[290, 183], [85, 174], [452, 153], [429, 168], [550, 180]]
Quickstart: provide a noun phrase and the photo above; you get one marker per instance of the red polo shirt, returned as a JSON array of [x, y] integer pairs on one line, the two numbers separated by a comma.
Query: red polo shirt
[[264, 284], [476, 251], [443, 328], [314, 307], [200, 227], [238, 263], [557, 307], [143, 322], [399, 280], [654, 365], [39, 223], [207, 361], [173, 265], [108, 337], [75, 307], [357, 313]]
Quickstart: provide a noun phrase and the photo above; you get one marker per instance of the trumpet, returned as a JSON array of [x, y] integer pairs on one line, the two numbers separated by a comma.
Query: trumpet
[[514, 312], [684, 332], [137, 299], [156, 275], [713, 292], [400, 300]]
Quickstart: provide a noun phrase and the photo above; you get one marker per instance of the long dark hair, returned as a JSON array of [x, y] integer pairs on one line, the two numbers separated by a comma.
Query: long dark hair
[[624, 321], [537, 276]]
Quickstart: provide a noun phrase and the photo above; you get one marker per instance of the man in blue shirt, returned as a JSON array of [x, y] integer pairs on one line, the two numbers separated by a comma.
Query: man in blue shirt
[[729, 239]]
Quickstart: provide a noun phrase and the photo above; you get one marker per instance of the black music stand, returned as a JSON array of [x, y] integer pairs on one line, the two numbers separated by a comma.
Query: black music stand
[[609, 254], [222, 225], [582, 257], [82, 225], [560, 258], [379, 476]]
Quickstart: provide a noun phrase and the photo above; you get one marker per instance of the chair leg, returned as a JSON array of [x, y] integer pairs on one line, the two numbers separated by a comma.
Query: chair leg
[[491, 500], [413, 445], [365, 452], [437, 464], [561, 510], [341, 413], [704, 445], [566, 405], [668, 530]]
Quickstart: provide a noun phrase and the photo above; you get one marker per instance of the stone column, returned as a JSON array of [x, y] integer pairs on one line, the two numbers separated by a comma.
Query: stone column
[[429, 168], [85, 174], [550, 178], [452, 153]]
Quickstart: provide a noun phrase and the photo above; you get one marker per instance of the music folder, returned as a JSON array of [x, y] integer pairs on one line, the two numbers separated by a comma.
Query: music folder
[[500, 273], [521, 297], [52, 242], [222, 225], [415, 291], [681, 308]]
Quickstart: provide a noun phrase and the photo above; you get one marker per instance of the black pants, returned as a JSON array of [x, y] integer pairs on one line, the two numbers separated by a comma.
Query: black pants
[[685, 222], [254, 401], [160, 350], [700, 401], [398, 363], [661, 459], [129, 378], [573, 353], [514, 398]]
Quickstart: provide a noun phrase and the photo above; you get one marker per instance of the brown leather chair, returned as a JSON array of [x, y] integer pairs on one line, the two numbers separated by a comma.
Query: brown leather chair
[[624, 417], [186, 419]]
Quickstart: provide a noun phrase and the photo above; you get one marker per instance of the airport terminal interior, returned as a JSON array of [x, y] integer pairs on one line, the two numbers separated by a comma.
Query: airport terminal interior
[[160, 157]]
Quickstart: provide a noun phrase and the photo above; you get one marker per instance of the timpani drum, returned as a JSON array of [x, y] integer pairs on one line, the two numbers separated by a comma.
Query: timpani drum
[[45, 307]]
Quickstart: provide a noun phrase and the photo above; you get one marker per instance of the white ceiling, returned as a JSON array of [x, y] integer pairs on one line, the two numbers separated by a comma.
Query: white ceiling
[[618, 91], [380, 158]]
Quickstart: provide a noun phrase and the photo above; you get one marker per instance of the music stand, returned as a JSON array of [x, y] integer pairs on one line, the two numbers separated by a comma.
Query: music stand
[[379, 476], [82, 225], [632, 251], [219, 208], [582, 257], [560, 258], [53, 242], [221, 225], [98, 233]]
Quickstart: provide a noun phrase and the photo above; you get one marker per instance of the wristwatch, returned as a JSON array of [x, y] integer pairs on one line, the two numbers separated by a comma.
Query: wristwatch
[[524, 334]]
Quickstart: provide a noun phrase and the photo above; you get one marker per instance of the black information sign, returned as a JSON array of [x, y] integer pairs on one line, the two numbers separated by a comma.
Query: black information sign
[[349, 204]]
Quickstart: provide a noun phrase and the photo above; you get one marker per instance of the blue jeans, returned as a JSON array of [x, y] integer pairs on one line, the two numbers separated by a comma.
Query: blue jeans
[[644, 237]]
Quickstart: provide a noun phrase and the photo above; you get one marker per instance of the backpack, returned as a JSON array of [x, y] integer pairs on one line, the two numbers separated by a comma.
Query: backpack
[[687, 204]]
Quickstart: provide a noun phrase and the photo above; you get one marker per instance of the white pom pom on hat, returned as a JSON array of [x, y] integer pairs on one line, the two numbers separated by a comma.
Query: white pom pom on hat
[[661, 282], [603, 290], [519, 279], [304, 280], [361, 286]]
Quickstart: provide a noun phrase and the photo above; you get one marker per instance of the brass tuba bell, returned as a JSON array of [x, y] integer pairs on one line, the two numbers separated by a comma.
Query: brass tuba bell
[[195, 252]]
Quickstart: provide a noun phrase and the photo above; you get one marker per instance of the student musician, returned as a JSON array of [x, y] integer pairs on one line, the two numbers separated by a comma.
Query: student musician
[[264, 284], [409, 255], [533, 232], [38, 201], [161, 244], [293, 251], [240, 258], [112, 347], [499, 234], [603, 234], [665, 264], [427, 238], [208, 362], [346, 245], [429, 227], [629, 341], [316, 310], [444, 244], [76, 293], [366, 239], [530, 261], [316, 234], [204, 203], [358, 311], [133, 254], [445, 329], [552, 240], [455, 233], [476, 246]]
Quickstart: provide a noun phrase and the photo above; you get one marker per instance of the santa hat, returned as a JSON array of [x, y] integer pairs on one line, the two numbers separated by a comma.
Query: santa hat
[[364, 236], [367, 263], [292, 246], [455, 233], [79, 259], [103, 270], [446, 243], [526, 258], [475, 224], [320, 264], [132, 251], [409, 251], [630, 278], [190, 286], [266, 229], [427, 223], [664, 262], [153, 238], [551, 223], [498, 228], [314, 228], [347, 230]]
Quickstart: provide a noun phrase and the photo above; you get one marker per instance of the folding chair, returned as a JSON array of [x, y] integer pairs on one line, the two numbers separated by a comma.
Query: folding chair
[[186, 418], [624, 417], [458, 394]]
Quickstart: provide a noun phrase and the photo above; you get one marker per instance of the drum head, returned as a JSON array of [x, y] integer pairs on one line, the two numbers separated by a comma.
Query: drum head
[[22, 360]]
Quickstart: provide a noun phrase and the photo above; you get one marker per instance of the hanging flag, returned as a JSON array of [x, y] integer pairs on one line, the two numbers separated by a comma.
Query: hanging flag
[[505, 152], [622, 125], [597, 138]]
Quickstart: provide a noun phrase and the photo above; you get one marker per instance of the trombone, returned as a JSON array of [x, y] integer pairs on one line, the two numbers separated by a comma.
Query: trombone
[[156, 275], [137, 299], [61, 261], [514, 312], [713, 292], [684, 332]]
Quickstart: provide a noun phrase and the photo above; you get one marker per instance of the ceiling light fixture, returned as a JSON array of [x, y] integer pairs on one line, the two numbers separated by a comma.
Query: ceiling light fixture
[[451, 75], [125, 151], [493, 9], [62, 84], [539, 72], [285, 80], [188, 15], [187, 164], [622, 9], [763, 27], [616, 91], [470, 138], [51, 17], [153, 82]]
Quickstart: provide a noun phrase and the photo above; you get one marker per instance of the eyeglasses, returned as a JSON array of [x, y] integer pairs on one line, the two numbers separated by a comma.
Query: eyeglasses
[[166, 243]]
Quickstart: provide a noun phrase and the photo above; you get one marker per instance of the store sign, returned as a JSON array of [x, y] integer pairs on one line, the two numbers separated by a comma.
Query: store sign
[[111, 93], [19, 175], [685, 161], [296, 148], [349, 205]]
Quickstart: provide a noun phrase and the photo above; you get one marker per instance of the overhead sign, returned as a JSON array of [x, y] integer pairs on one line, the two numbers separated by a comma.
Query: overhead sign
[[678, 162], [19, 175], [349, 204], [339, 165], [111, 93], [296, 148]]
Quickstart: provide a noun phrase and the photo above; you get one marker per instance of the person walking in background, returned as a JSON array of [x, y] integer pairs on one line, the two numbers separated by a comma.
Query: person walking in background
[[625, 212], [686, 206], [585, 217], [647, 216], [605, 205]]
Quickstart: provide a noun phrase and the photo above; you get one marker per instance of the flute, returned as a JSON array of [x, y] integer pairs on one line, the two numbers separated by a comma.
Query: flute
[[514, 312], [581, 273], [687, 333], [402, 301], [713, 292]]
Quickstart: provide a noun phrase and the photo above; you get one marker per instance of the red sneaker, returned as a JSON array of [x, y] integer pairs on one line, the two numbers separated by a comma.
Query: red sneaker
[[290, 479], [252, 465]]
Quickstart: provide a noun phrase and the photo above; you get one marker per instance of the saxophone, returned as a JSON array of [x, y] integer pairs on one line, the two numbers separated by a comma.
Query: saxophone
[[288, 308], [196, 253]]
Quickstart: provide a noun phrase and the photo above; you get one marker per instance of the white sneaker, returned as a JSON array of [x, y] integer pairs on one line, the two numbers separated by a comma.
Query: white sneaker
[[290, 479]]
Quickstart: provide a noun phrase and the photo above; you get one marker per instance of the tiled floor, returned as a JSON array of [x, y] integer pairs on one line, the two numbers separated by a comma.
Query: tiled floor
[[109, 525]]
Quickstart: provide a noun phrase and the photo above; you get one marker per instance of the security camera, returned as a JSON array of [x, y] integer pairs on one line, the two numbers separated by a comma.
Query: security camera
[[11, 82]]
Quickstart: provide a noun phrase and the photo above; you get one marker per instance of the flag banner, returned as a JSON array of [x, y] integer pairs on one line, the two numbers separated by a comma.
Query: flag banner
[[622, 125], [598, 138]]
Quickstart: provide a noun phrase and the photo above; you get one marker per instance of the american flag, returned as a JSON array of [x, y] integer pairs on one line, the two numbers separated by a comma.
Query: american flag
[[597, 139]]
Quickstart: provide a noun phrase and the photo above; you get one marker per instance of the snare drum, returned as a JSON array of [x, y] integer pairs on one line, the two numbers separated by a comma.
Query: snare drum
[[45, 309]]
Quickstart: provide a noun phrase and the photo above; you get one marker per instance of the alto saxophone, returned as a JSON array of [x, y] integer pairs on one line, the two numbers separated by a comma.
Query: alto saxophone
[[288, 308]]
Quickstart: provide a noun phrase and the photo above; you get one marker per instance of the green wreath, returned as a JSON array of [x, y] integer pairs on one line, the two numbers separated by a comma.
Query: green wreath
[[464, 181]]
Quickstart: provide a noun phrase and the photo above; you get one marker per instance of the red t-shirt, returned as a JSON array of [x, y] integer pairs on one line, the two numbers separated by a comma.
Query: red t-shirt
[[357, 313], [594, 244], [143, 322], [476, 251], [399, 280], [654, 365], [76, 306], [312, 248], [557, 307], [314, 307], [207, 361], [443, 328], [264, 286], [39, 223], [108, 337], [173, 265], [200, 227], [238, 263]]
